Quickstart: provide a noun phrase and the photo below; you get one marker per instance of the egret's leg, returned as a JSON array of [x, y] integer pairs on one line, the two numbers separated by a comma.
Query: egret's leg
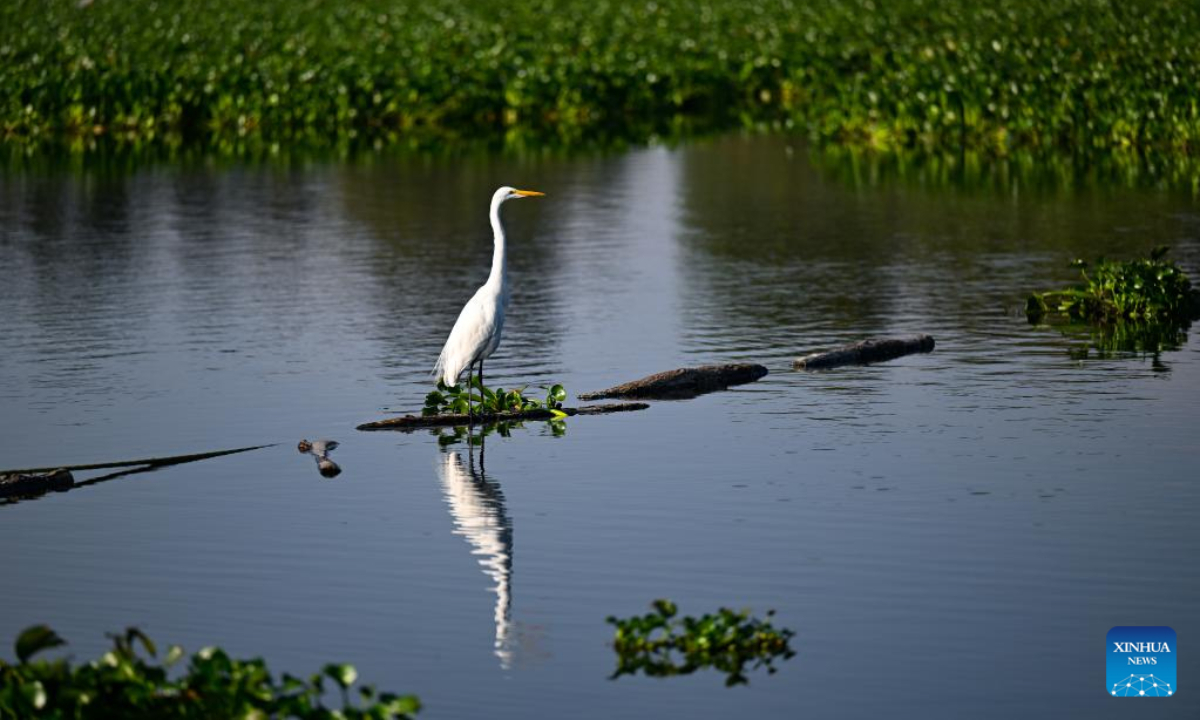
[[481, 375], [470, 410]]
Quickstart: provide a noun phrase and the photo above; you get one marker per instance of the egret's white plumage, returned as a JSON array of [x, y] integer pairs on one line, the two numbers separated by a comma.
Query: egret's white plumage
[[476, 333]]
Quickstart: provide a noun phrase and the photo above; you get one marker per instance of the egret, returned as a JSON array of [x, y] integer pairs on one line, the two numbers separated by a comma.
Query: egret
[[476, 333]]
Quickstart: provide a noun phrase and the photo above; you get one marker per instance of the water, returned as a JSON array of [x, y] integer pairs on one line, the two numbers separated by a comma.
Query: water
[[947, 532]]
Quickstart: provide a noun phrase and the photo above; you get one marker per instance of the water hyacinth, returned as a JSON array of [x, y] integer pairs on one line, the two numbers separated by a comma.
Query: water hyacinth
[[1087, 75], [660, 645], [130, 681]]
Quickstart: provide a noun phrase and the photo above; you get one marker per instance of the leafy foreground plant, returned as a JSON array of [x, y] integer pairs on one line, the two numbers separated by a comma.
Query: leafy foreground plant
[[454, 400], [1151, 289], [659, 646], [121, 684]]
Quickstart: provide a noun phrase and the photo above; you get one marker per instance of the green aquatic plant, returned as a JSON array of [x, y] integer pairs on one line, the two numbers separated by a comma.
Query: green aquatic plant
[[659, 645], [481, 400], [1142, 306], [1150, 289], [1090, 76], [133, 684]]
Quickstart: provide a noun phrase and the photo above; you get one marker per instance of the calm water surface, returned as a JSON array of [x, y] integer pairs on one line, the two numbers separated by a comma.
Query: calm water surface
[[949, 535]]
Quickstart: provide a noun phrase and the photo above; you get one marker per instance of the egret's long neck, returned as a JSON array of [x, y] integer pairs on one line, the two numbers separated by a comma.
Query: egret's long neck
[[499, 259]]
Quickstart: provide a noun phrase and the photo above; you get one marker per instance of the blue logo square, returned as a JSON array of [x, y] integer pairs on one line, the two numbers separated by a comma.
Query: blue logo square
[[1141, 661]]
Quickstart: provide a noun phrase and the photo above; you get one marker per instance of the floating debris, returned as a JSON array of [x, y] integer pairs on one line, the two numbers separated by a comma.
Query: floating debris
[[320, 450], [28, 485], [15, 483], [683, 383], [866, 351]]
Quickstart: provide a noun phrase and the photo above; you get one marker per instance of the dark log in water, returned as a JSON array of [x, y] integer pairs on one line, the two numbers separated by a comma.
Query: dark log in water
[[414, 422], [867, 351], [683, 383], [31, 484]]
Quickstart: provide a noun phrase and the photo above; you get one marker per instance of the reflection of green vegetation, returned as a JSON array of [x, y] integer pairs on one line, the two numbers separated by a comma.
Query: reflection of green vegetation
[[1084, 74], [1129, 336], [1151, 289], [122, 684], [503, 428], [1023, 168], [660, 646], [458, 399]]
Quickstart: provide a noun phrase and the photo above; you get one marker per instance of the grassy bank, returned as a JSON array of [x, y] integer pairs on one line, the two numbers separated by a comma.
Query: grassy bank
[[1081, 75]]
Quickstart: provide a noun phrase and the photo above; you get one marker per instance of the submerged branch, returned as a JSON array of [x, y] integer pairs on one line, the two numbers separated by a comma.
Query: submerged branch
[[32, 482], [152, 462]]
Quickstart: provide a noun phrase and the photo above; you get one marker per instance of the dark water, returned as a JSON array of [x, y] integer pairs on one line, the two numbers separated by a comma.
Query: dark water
[[949, 535]]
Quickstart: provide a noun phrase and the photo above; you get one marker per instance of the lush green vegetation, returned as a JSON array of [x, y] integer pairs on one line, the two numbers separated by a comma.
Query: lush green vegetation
[[1080, 74], [124, 684], [659, 645], [1151, 289], [1143, 306], [459, 399]]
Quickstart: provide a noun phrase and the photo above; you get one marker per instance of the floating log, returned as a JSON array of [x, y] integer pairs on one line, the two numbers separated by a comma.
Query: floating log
[[683, 383], [31, 484], [414, 422], [866, 351]]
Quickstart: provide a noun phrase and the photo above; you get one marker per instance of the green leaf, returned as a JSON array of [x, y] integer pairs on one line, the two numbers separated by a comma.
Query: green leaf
[[35, 639], [133, 633], [342, 674]]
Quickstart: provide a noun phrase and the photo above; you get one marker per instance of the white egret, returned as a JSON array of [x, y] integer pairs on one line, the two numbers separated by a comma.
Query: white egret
[[476, 333]]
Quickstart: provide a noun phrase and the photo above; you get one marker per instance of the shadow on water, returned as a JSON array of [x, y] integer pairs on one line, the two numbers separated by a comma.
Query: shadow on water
[[477, 506]]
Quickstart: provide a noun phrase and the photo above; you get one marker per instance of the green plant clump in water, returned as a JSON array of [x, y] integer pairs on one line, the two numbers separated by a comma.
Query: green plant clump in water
[[1141, 306], [660, 646], [459, 399], [1151, 289], [1090, 76], [123, 684]]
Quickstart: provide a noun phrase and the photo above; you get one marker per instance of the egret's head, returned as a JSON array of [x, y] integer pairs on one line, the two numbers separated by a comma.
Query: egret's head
[[508, 193]]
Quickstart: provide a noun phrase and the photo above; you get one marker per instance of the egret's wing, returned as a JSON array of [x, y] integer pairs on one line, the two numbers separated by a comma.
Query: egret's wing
[[473, 331]]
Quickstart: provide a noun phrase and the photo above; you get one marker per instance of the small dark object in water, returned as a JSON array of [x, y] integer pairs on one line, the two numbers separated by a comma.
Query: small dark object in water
[[414, 422], [683, 383], [30, 484], [320, 450], [317, 447], [867, 351]]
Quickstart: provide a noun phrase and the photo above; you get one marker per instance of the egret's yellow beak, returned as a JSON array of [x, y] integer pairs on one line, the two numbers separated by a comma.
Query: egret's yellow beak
[[529, 193]]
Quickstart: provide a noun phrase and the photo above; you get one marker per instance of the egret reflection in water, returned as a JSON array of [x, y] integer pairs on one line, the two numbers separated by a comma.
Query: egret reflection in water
[[477, 506]]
